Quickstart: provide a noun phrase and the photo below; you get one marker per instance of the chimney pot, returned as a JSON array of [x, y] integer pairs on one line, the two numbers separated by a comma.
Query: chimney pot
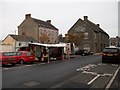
[[49, 21], [98, 25], [28, 16], [85, 17]]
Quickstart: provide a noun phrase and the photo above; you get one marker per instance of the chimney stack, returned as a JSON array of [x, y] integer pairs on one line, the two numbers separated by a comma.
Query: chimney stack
[[48, 21], [28, 16], [85, 18], [98, 25]]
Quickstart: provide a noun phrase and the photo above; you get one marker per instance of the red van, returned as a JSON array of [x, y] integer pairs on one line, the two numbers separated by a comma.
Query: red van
[[24, 57], [7, 58]]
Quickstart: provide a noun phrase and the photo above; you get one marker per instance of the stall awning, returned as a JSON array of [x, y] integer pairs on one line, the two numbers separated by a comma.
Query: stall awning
[[49, 45]]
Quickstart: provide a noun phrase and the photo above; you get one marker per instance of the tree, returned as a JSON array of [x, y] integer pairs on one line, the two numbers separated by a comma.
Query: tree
[[60, 38], [76, 38], [44, 38]]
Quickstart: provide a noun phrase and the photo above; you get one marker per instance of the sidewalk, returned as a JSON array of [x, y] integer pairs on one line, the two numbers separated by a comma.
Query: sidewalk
[[97, 53]]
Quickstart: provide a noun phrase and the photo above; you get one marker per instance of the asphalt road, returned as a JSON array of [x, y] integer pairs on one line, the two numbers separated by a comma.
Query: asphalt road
[[79, 72]]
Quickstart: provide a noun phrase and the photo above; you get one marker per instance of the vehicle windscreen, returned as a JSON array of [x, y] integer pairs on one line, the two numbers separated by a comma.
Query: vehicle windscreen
[[110, 50]]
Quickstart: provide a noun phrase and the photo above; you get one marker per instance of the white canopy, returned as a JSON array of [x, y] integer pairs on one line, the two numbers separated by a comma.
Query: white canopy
[[50, 45]]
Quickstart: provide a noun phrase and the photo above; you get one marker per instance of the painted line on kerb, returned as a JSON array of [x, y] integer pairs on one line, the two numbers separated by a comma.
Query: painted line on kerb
[[93, 80], [113, 78]]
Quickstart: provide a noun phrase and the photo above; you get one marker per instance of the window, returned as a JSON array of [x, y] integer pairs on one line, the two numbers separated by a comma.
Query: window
[[95, 35], [79, 29], [8, 54], [110, 50], [14, 53], [28, 53], [19, 53], [86, 35], [19, 44]]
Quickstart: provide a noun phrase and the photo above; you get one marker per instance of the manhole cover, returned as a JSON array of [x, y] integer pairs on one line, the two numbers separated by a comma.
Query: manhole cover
[[31, 83]]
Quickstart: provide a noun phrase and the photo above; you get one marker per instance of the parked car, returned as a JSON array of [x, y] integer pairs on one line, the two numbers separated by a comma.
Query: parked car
[[24, 57], [111, 54], [83, 52], [7, 58]]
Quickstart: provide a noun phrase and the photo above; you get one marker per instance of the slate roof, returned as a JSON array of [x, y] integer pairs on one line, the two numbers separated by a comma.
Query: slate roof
[[91, 25], [44, 24], [96, 27], [22, 38]]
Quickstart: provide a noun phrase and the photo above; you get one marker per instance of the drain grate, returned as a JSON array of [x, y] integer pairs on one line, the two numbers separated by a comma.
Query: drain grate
[[31, 83]]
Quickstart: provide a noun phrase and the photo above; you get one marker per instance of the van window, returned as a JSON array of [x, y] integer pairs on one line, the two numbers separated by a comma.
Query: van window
[[13, 53], [28, 53], [8, 54], [19, 53]]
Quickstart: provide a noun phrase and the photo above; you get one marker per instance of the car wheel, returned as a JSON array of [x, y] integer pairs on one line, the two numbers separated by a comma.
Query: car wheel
[[21, 61], [3, 65], [13, 64], [31, 62]]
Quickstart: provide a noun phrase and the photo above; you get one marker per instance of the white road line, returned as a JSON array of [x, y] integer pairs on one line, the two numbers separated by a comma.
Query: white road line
[[93, 80], [78, 69], [22, 66], [9, 68], [115, 65], [28, 65], [92, 73], [87, 67], [106, 74], [111, 81]]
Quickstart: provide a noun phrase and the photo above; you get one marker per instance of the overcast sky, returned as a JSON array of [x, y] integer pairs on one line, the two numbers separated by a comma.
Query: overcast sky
[[63, 14]]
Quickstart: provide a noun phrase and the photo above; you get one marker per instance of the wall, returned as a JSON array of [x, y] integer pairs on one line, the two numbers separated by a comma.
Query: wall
[[28, 28], [7, 48], [9, 41], [51, 34]]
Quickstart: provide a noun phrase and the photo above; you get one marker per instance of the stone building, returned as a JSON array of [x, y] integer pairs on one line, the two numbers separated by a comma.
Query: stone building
[[42, 31], [115, 41], [14, 42], [89, 35]]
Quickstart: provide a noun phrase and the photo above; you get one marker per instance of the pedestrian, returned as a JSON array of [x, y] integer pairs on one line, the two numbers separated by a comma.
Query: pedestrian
[[68, 53]]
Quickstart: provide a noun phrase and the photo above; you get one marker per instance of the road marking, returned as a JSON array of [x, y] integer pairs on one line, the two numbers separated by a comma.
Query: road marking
[[111, 81], [115, 65], [87, 67], [31, 84], [9, 68], [93, 80], [93, 73], [106, 74], [22, 66]]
